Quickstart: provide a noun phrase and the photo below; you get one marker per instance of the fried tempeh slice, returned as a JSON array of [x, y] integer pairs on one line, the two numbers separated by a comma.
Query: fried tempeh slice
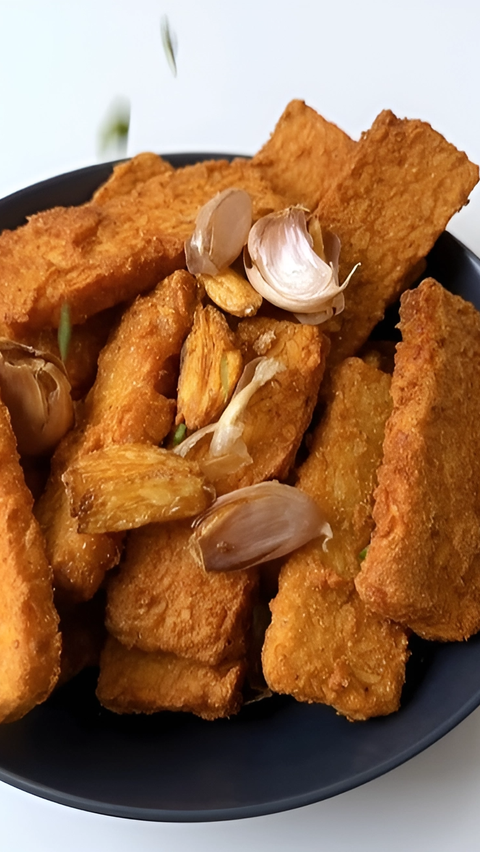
[[163, 599], [210, 369], [83, 635], [304, 156], [132, 681], [403, 184], [125, 486], [30, 643], [323, 644], [128, 176], [95, 256], [280, 411], [130, 401], [423, 565]]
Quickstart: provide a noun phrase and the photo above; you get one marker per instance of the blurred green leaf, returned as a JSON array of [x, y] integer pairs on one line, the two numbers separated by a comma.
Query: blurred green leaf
[[113, 133], [169, 42]]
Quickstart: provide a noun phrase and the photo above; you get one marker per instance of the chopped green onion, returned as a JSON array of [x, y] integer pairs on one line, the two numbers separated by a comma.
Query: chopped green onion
[[363, 553], [115, 130], [64, 333], [179, 434], [169, 44]]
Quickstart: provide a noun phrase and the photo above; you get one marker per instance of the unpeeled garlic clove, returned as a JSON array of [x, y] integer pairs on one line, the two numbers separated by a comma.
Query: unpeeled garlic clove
[[256, 524], [282, 265], [221, 231], [35, 388]]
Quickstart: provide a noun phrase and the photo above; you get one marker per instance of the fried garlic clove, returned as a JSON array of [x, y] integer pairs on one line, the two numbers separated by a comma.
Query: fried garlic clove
[[282, 263], [35, 388], [232, 293], [256, 524], [125, 486], [221, 231], [210, 369]]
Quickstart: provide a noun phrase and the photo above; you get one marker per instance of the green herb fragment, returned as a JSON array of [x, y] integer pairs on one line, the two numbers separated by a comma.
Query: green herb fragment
[[224, 376], [363, 553], [169, 44], [179, 434], [64, 333], [115, 130]]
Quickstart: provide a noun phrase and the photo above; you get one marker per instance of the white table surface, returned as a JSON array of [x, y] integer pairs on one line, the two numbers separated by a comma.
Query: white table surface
[[62, 66]]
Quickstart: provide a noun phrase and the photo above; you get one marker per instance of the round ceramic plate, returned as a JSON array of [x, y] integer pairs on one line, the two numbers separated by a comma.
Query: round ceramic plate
[[276, 754]]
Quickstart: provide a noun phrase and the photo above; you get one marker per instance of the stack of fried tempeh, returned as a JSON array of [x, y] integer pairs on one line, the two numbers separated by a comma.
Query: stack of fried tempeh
[[180, 638]]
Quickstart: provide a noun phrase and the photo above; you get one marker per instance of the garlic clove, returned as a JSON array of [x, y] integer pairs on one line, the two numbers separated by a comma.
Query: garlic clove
[[35, 388], [256, 524], [228, 451], [282, 264], [221, 231]]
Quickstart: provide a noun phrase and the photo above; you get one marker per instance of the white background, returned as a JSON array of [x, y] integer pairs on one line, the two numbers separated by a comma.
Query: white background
[[63, 63]]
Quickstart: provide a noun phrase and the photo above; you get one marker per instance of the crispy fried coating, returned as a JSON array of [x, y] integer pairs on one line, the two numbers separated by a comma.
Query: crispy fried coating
[[132, 681], [133, 398], [404, 183], [95, 256], [323, 645], [210, 369], [30, 643], [162, 599], [304, 156], [129, 175], [86, 257], [83, 635], [423, 565], [280, 411], [129, 402]]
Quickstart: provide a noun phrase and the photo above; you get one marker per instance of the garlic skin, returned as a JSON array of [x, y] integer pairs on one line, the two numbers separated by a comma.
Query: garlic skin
[[35, 388], [256, 524], [221, 231], [228, 451], [282, 265]]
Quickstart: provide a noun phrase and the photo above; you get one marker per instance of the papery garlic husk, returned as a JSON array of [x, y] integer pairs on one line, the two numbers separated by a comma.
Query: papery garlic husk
[[228, 451], [35, 388], [282, 265], [221, 231], [256, 524]]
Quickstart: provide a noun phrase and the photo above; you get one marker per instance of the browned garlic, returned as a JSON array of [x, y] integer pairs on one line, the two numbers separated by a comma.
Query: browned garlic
[[282, 265], [221, 231], [35, 388], [256, 524], [228, 451]]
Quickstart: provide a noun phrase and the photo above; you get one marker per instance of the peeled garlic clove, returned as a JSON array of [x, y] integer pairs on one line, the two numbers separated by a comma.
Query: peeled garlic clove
[[35, 388], [281, 263], [221, 231], [256, 524]]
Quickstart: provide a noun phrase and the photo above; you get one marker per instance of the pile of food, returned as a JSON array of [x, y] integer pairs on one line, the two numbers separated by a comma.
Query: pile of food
[[224, 487]]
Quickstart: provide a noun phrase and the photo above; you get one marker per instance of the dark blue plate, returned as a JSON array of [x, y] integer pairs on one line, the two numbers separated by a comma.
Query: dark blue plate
[[276, 754]]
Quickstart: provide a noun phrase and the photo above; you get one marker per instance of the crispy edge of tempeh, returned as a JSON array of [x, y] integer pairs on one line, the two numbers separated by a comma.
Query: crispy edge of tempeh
[[129, 175], [323, 644], [134, 681], [30, 642], [304, 156], [423, 564], [163, 599], [403, 184], [127, 403]]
